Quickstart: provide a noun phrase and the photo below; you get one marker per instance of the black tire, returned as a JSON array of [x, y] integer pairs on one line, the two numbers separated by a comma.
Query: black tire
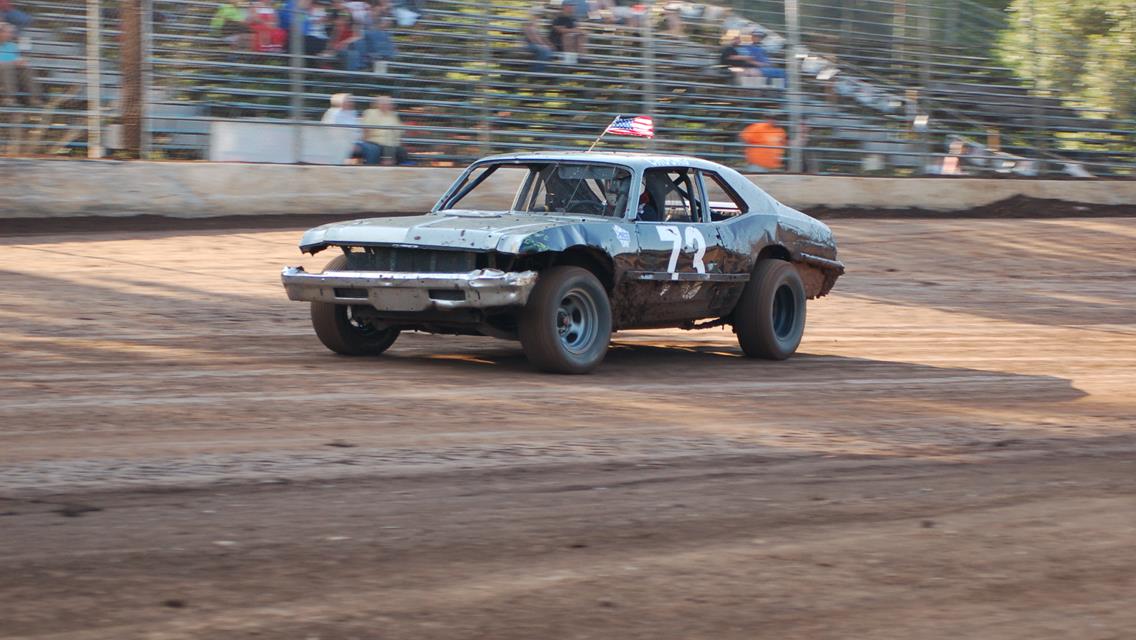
[[566, 325], [770, 316], [339, 331]]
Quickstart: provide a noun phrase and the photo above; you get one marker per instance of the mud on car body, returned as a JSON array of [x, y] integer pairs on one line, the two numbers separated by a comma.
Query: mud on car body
[[559, 250]]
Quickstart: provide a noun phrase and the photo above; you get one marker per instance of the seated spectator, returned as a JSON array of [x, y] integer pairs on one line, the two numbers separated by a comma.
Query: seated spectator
[[535, 42], [372, 42], [18, 19], [380, 45], [764, 65], [15, 75], [267, 35], [342, 112], [734, 58], [566, 36], [389, 141], [230, 22]]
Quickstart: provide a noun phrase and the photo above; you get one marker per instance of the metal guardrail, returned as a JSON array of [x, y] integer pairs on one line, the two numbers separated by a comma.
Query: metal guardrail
[[466, 88]]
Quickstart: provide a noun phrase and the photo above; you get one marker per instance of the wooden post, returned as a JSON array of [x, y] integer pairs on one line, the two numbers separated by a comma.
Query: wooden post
[[94, 81], [132, 98], [793, 70]]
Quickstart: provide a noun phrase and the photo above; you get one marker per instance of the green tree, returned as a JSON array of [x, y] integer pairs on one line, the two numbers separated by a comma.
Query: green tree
[[1083, 51]]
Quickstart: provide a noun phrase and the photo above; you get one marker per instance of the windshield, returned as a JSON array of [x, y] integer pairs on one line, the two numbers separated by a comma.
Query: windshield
[[545, 187]]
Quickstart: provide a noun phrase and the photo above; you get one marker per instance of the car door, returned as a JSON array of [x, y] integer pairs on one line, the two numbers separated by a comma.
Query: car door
[[738, 235], [676, 272]]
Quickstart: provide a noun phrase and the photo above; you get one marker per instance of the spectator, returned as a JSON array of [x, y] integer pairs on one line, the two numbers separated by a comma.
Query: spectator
[[267, 35], [231, 22], [313, 25], [579, 8], [14, 72], [360, 12], [18, 19], [342, 112], [371, 43], [757, 52], [380, 45], [536, 43], [284, 14], [566, 36], [734, 58], [315, 28], [766, 148], [389, 141], [343, 32]]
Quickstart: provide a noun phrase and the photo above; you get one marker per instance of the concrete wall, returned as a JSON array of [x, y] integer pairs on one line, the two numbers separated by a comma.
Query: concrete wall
[[61, 188], [936, 194], [270, 142]]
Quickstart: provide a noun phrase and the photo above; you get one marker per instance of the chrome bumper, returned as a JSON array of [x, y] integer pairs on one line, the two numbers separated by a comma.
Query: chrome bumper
[[397, 291]]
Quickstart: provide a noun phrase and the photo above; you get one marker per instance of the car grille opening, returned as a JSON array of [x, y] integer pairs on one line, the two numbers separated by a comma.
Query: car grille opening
[[408, 260], [360, 294]]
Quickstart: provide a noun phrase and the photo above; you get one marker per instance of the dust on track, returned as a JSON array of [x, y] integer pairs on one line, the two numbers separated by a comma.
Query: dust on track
[[950, 455]]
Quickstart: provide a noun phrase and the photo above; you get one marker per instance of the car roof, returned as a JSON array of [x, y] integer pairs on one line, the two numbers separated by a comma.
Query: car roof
[[632, 160]]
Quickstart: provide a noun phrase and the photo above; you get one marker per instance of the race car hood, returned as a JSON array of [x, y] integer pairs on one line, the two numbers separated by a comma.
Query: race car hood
[[454, 229]]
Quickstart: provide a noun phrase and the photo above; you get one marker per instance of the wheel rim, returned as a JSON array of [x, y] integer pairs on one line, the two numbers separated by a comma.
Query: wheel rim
[[576, 321], [784, 312]]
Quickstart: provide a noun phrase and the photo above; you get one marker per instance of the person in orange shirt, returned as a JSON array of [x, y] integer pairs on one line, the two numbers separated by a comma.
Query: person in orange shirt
[[767, 146]]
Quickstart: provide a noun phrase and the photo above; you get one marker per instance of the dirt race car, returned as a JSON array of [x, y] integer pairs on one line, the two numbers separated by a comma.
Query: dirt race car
[[559, 250]]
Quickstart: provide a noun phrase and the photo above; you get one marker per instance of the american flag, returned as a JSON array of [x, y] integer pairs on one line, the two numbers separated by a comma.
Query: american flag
[[641, 126]]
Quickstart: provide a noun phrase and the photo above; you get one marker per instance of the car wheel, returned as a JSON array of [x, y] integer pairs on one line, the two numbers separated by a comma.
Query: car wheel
[[340, 330], [566, 325], [770, 316]]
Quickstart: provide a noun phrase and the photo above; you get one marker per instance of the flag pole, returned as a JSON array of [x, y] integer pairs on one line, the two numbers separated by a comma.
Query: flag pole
[[604, 133]]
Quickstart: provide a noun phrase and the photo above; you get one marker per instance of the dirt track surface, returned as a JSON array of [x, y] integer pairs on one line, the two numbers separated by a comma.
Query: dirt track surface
[[951, 455]]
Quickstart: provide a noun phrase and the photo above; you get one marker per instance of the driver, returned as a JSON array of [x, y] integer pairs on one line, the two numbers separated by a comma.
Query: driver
[[653, 195]]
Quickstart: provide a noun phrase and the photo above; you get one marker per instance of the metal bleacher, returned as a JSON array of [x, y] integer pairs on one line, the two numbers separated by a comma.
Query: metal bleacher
[[464, 88]]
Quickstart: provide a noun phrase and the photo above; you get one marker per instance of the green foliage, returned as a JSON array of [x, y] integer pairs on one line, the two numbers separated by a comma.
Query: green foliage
[[1085, 51]]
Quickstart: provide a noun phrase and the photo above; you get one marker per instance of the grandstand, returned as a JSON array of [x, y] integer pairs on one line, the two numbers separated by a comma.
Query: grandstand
[[464, 87]]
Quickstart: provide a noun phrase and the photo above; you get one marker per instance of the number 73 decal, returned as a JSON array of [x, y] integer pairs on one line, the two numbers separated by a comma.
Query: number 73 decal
[[694, 239]]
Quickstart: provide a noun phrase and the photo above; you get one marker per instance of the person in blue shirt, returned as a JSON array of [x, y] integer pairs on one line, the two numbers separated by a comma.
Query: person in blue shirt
[[579, 8], [757, 52], [284, 14], [14, 72]]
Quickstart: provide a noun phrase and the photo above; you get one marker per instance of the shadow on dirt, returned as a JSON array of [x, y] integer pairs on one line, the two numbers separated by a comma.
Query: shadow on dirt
[[664, 366]]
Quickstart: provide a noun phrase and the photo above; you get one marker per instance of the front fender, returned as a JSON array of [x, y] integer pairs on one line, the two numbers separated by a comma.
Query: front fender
[[611, 238]]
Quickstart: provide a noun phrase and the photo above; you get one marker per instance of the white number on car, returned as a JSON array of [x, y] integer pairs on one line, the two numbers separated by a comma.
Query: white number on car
[[694, 239]]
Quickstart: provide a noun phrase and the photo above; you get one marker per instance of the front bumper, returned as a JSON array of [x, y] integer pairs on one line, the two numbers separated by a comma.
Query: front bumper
[[398, 291]]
